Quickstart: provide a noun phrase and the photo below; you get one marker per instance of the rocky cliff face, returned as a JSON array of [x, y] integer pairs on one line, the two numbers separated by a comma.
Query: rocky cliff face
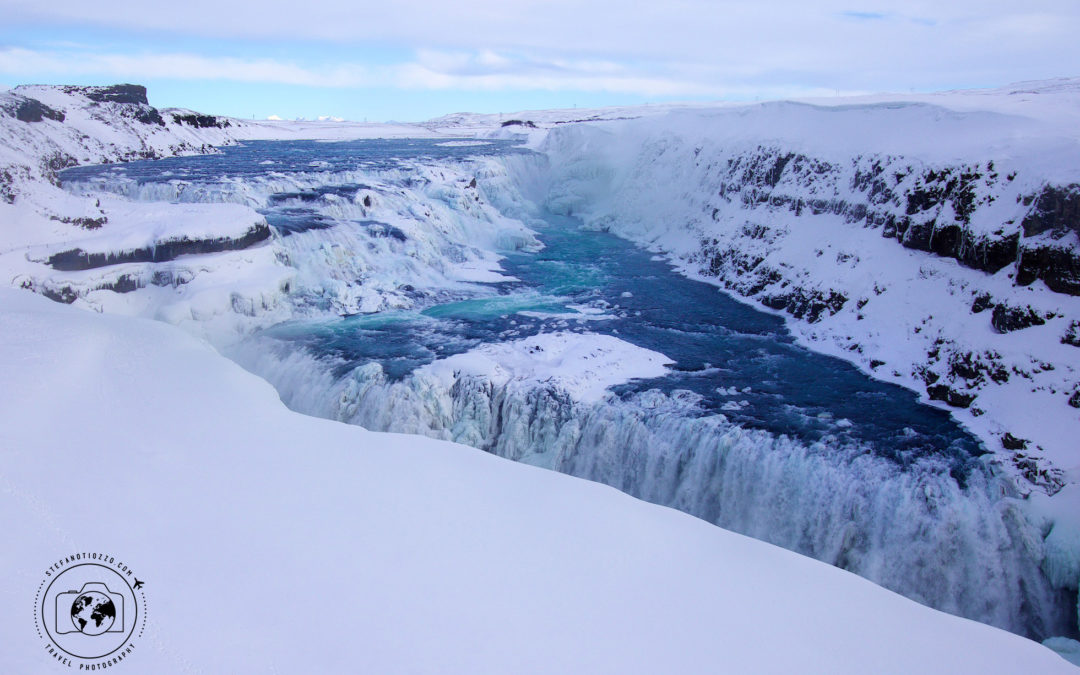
[[928, 209]]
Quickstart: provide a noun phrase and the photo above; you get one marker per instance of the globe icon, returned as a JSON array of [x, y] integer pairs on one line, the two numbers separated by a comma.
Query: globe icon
[[93, 613]]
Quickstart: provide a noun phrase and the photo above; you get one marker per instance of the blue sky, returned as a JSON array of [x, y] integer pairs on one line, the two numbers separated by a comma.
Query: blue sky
[[412, 60]]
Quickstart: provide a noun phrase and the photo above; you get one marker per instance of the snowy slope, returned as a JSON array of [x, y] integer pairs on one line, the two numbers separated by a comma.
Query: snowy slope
[[271, 542]]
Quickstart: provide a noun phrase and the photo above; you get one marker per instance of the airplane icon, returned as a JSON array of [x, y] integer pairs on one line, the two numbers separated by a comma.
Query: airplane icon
[[138, 584]]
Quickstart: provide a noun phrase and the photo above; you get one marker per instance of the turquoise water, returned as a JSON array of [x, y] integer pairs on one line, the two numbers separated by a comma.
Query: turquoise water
[[741, 362]]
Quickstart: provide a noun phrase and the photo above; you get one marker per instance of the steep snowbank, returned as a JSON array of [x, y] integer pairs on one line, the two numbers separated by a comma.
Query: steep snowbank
[[390, 553]]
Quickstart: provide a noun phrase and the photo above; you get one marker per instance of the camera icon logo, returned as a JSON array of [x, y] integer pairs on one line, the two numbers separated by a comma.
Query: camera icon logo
[[89, 610], [93, 610]]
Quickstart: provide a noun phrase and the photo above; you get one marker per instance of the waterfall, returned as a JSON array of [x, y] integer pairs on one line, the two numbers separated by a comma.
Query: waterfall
[[963, 550]]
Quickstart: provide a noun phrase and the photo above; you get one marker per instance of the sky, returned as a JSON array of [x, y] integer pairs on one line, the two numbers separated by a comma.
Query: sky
[[411, 60]]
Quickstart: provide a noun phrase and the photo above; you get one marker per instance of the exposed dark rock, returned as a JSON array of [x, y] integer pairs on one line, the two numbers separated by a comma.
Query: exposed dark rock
[[170, 278], [1010, 442], [954, 185], [951, 240], [1074, 400], [125, 283], [7, 186], [926, 375], [84, 222], [1055, 210], [150, 116], [975, 368], [77, 259], [1057, 265], [989, 254], [982, 303], [64, 295], [1006, 319], [33, 110], [754, 231], [131, 96], [942, 392], [202, 121], [26, 109], [933, 214], [1072, 335], [806, 305], [52, 164], [117, 93], [519, 123], [772, 176]]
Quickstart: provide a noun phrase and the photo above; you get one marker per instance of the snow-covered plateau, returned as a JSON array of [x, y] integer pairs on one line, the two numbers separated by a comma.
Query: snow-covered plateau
[[932, 241]]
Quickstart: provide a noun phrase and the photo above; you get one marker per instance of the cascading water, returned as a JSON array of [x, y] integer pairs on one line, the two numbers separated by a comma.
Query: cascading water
[[748, 431]]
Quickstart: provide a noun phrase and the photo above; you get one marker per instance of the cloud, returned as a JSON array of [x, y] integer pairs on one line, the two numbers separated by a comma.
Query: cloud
[[15, 60], [430, 70], [690, 48], [693, 29]]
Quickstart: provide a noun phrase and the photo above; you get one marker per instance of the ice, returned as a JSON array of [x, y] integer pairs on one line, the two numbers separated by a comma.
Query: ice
[[1069, 649]]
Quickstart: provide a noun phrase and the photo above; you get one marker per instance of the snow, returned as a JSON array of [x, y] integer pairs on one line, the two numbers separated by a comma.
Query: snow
[[133, 226], [582, 365], [391, 553]]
